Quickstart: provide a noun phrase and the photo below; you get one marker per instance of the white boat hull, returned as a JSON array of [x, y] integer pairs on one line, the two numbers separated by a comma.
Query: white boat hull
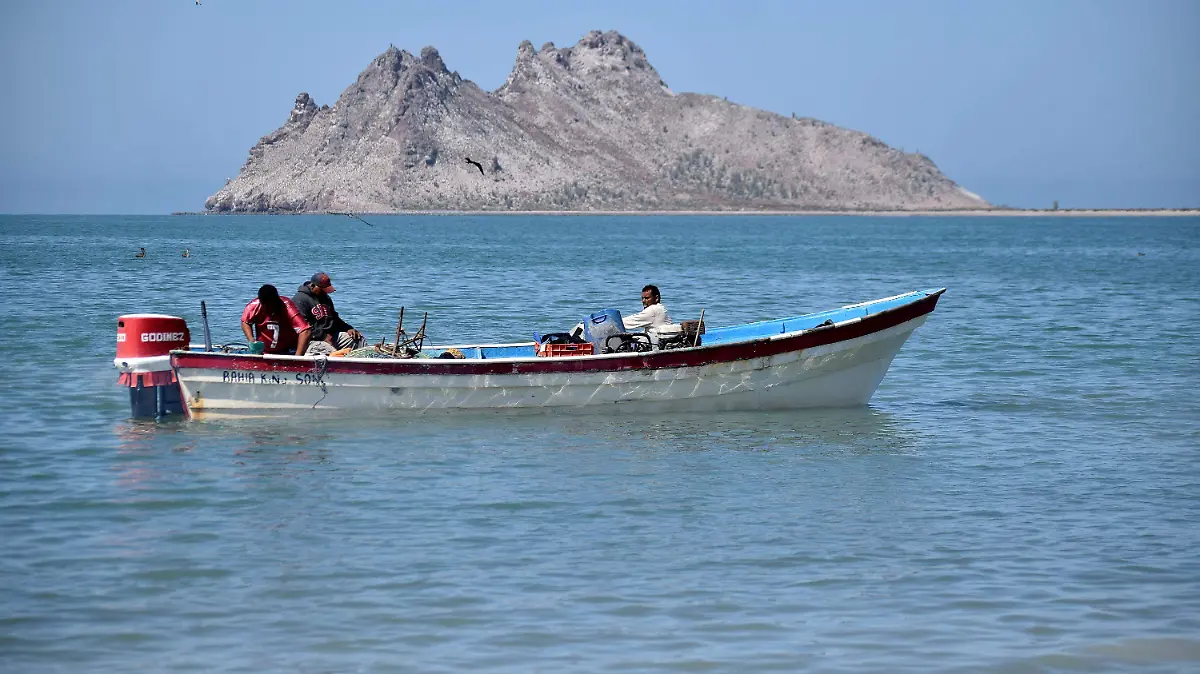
[[840, 374]]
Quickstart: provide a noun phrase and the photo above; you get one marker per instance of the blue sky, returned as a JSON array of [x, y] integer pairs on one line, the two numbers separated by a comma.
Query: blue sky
[[146, 106]]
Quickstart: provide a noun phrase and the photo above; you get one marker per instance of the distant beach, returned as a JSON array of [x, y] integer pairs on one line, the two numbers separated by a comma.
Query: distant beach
[[988, 212]]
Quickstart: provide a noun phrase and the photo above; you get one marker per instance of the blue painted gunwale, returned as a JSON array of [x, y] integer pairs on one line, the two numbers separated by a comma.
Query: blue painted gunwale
[[751, 340]]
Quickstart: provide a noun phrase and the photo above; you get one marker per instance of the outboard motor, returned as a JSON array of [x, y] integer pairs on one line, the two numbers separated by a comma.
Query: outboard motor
[[637, 342], [144, 345]]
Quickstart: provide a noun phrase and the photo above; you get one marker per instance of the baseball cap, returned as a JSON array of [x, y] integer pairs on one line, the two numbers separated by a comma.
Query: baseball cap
[[321, 280]]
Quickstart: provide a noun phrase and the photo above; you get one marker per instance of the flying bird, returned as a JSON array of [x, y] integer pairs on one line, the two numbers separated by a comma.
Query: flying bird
[[351, 215], [476, 165]]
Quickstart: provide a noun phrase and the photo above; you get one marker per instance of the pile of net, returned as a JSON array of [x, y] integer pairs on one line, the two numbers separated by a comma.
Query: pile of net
[[385, 352], [373, 352]]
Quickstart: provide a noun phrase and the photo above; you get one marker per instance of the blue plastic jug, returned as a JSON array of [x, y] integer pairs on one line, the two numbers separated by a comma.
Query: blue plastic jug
[[600, 325]]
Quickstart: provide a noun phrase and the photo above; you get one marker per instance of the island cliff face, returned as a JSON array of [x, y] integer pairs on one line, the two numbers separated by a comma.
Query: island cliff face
[[592, 127]]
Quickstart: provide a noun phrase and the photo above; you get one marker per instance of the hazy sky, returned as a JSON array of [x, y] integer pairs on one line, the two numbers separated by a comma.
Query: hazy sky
[[146, 106]]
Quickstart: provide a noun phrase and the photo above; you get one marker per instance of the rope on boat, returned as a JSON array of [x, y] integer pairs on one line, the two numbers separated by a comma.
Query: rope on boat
[[319, 366]]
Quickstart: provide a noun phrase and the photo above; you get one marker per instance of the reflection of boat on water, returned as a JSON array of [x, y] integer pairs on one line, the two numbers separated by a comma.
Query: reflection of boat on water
[[832, 358], [809, 432]]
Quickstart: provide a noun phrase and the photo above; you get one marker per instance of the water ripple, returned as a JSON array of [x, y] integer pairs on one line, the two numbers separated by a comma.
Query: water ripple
[[1019, 497]]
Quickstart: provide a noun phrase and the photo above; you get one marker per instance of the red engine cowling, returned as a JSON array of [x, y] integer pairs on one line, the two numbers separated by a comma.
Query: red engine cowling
[[145, 335], [144, 345]]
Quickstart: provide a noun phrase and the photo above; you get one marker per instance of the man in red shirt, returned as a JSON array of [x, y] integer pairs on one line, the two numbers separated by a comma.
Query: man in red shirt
[[275, 322]]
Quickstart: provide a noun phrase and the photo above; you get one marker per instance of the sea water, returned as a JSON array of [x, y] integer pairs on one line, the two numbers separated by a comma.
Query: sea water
[[1022, 494]]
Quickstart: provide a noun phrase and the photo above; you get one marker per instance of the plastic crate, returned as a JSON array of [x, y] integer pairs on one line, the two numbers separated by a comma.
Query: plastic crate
[[559, 350]]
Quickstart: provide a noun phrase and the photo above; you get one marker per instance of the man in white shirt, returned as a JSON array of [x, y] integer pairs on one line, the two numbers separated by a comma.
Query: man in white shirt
[[653, 313], [653, 316]]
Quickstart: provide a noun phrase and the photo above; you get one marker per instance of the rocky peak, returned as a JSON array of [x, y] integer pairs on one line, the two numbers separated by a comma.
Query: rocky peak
[[433, 60], [302, 114], [598, 52], [397, 75], [391, 60], [304, 110], [394, 65], [600, 59], [610, 48], [524, 70]]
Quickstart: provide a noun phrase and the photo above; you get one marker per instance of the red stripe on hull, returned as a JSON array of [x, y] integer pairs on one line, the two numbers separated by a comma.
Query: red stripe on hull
[[650, 361]]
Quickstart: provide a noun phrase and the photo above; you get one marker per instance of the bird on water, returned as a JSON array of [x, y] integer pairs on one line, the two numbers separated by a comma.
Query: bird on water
[[141, 252]]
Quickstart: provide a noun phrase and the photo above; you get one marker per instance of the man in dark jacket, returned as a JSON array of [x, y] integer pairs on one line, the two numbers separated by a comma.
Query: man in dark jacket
[[314, 303]]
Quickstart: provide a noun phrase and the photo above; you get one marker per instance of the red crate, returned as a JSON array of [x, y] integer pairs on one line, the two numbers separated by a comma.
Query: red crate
[[558, 350]]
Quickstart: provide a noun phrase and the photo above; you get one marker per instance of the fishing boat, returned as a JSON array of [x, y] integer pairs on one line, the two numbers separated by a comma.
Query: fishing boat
[[834, 358]]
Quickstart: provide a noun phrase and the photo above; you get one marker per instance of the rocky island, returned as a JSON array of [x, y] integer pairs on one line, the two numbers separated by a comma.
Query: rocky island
[[592, 127]]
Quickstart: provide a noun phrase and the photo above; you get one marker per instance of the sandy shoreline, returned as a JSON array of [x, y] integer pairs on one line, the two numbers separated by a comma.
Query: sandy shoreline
[[993, 212]]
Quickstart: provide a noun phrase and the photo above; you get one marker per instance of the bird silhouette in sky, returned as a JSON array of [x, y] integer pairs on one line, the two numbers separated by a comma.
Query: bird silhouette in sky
[[476, 165]]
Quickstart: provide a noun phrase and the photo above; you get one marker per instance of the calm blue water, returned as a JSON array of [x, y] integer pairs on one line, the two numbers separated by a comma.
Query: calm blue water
[[1022, 495]]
